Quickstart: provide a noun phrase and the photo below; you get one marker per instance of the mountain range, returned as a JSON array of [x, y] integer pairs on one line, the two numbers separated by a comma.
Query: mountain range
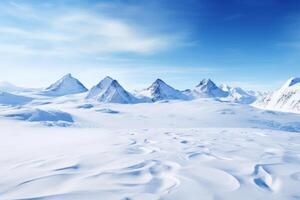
[[109, 90]]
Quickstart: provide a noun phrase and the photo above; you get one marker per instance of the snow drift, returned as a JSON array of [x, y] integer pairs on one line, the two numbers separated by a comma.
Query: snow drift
[[11, 99], [51, 117]]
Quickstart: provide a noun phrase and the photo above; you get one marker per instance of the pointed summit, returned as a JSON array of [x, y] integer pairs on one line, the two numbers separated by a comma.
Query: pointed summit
[[109, 90], [68, 75], [207, 83], [64, 86], [159, 81], [292, 81], [159, 90], [107, 78], [207, 88], [102, 85], [100, 88]]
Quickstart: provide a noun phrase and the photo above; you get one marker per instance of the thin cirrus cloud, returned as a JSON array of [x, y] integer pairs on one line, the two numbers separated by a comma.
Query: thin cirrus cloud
[[75, 32]]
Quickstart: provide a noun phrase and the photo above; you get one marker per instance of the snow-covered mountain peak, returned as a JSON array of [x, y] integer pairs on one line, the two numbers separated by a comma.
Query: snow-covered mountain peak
[[291, 82], [66, 78], [104, 83], [107, 79], [115, 83], [287, 98], [159, 84], [207, 83], [207, 88], [69, 75], [64, 86], [159, 90], [110, 91], [159, 81]]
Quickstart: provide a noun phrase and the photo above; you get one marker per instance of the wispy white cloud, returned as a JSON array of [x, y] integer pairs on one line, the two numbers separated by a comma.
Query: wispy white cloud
[[76, 32]]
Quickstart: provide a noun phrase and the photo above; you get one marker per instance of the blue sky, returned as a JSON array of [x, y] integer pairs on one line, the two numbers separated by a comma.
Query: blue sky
[[250, 43]]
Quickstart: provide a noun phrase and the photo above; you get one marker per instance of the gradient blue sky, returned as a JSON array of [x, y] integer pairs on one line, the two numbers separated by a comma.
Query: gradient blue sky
[[250, 43]]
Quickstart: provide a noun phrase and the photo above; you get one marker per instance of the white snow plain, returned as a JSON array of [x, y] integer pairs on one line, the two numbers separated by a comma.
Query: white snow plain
[[171, 150]]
